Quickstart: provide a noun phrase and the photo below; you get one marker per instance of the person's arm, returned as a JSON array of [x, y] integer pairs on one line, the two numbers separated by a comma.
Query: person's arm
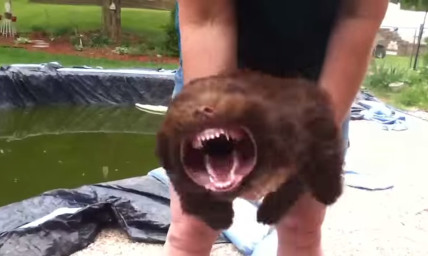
[[349, 51], [208, 47], [208, 37]]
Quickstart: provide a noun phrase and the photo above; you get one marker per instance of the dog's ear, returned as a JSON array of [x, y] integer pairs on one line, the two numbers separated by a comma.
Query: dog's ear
[[320, 157]]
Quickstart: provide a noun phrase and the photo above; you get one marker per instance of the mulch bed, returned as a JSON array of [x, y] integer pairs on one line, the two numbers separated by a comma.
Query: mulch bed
[[62, 45]]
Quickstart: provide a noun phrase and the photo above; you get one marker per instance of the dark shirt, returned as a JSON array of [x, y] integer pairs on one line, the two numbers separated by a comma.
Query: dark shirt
[[285, 38]]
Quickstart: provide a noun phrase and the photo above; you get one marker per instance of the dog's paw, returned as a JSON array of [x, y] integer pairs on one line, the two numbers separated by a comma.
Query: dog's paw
[[218, 216], [268, 216]]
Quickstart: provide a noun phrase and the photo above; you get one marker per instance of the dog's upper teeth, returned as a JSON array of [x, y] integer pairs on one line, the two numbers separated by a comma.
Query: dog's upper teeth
[[235, 135], [197, 143], [227, 135], [217, 133]]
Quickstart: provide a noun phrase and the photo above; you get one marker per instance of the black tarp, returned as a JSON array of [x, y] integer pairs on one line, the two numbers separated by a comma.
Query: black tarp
[[35, 85], [139, 206]]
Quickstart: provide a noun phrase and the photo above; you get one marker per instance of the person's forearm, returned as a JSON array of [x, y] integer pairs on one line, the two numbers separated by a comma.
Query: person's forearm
[[349, 54], [208, 47], [208, 38]]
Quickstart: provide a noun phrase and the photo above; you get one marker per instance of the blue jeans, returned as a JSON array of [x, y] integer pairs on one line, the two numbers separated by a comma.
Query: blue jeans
[[178, 85]]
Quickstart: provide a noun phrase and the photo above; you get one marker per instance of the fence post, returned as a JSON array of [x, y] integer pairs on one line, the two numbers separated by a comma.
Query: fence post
[[421, 32]]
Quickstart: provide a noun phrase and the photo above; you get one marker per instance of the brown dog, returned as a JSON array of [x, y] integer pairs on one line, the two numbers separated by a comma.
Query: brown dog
[[254, 136]]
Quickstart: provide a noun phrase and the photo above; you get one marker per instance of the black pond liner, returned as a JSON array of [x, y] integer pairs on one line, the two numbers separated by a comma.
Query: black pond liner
[[51, 84], [63, 221]]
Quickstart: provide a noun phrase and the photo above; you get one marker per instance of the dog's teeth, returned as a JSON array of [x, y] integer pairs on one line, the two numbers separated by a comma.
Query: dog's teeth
[[197, 143], [235, 135], [222, 185], [222, 131]]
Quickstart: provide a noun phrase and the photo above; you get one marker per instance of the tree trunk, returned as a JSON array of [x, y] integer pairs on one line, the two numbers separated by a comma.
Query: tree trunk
[[106, 18], [117, 23], [112, 25]]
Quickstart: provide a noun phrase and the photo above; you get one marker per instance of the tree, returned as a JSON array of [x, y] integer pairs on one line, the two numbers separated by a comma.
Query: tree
[[112, 19], [414, 5], [171, 43]]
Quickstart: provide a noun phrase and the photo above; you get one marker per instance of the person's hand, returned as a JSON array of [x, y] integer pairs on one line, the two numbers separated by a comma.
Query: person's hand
[[187, 235], [299, 232]]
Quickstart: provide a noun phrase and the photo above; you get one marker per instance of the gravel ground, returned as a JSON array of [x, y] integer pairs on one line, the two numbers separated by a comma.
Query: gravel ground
[[390, 222], [420, 114], [393, 222], [115, 243]]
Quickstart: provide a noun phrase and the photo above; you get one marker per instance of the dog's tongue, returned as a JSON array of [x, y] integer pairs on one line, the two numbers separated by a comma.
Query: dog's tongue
[[220, 168]]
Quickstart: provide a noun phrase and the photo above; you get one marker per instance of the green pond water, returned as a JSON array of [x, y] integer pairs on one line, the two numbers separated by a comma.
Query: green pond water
[[65, 147]]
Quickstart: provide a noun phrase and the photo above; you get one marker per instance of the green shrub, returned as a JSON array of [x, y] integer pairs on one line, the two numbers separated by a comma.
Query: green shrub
[[61, 31], [22, 40], [39, 29], [381, 76], [139, 50], [121, 50], [415, 95], [98, 40], [170, 45], [75, 39]]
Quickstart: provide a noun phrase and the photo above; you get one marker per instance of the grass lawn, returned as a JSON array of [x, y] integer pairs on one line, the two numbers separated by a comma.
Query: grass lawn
[[63, 18], [22, 56], [397, 69], [402, 62]]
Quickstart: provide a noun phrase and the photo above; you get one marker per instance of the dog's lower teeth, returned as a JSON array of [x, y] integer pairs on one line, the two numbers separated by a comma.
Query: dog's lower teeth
[[220, 185], [224, 185]]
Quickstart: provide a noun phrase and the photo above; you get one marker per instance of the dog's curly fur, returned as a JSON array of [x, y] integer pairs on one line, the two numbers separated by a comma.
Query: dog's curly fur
[[299, 144]]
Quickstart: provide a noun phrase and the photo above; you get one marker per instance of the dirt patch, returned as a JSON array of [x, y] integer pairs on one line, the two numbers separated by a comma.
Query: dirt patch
[[61, 45]]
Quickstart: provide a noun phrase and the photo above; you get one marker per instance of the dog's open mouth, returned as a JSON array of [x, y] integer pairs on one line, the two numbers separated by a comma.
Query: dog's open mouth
[[219, 158]]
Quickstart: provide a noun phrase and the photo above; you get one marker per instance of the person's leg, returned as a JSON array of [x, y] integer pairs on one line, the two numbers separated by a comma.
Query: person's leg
[[345, 134], [299, 233]]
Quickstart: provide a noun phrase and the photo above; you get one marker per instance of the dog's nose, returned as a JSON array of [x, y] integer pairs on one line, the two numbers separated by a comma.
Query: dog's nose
[[204, 112]]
